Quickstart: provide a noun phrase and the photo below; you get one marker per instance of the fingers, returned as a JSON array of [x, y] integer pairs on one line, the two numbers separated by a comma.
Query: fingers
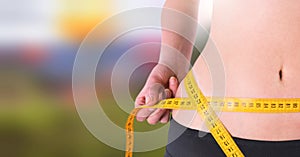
[[156, 116], [151, 97], [165, 117], [173, 85], [144, 113], [154, 94], [139, 101], [168, 94], [159, 115], [153, 116]]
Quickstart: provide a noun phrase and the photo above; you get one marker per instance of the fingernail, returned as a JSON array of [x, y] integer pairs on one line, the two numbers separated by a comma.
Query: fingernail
[[172, 80], [163, 121]]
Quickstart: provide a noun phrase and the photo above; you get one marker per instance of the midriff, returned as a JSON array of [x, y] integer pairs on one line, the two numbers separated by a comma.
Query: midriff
[[258, 43]]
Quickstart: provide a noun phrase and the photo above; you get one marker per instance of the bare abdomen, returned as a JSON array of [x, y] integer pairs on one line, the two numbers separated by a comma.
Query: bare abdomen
[[259, 44]]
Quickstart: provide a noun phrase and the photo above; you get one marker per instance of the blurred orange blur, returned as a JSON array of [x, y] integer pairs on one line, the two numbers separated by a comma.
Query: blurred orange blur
[[77, 18]]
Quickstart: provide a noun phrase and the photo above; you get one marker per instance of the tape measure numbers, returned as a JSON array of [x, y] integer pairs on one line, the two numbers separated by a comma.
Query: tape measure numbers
[[234, 105], [206, 106], [213, 123]]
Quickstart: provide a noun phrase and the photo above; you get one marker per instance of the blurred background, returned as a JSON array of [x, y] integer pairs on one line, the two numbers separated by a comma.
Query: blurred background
[[39, 40]]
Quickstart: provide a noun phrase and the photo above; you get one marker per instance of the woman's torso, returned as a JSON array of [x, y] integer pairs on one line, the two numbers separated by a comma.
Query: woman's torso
[[255, 40]]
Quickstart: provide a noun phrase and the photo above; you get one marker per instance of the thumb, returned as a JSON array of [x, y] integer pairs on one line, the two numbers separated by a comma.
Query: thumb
[[173, 85]]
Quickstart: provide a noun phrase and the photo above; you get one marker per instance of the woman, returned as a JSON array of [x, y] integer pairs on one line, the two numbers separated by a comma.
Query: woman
[[259, 44]]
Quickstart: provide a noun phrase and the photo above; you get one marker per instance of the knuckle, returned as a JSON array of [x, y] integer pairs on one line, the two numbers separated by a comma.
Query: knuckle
[[140, 119], [151, 121], [164, 121]]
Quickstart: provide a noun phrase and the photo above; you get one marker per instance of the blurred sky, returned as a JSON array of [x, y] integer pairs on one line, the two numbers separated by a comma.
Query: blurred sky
[[28, 20], [41, 21]]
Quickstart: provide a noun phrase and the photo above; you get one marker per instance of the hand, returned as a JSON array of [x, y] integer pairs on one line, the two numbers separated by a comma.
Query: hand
[[161, 84]]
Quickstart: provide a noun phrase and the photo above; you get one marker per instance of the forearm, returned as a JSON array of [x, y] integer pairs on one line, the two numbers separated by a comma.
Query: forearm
[[177, 45]]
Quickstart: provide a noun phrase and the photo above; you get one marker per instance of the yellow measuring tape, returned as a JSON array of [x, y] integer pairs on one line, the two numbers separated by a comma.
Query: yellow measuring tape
[[206, 108]]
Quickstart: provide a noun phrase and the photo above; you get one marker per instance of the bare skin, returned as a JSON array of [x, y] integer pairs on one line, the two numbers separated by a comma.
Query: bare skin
[[259, 43], [170, 63]]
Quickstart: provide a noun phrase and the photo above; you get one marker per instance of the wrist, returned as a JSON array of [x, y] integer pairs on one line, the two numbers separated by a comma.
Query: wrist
[[179, 68], [176, 62]]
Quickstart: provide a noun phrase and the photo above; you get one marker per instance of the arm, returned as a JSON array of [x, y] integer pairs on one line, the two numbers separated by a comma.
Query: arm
[[182, 25], [174, 59]]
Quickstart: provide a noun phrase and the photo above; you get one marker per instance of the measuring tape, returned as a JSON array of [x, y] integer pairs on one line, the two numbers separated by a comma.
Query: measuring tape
[[206, 107]]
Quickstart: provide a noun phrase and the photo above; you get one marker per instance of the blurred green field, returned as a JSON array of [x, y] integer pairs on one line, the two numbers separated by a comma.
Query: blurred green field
[[35, 122]]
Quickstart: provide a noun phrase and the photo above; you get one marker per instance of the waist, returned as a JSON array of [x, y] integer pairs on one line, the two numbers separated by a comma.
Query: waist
[[195, 143], [257, 126]]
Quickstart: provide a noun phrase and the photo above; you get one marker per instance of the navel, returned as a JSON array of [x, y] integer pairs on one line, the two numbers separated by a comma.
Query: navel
[[280, 74]]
